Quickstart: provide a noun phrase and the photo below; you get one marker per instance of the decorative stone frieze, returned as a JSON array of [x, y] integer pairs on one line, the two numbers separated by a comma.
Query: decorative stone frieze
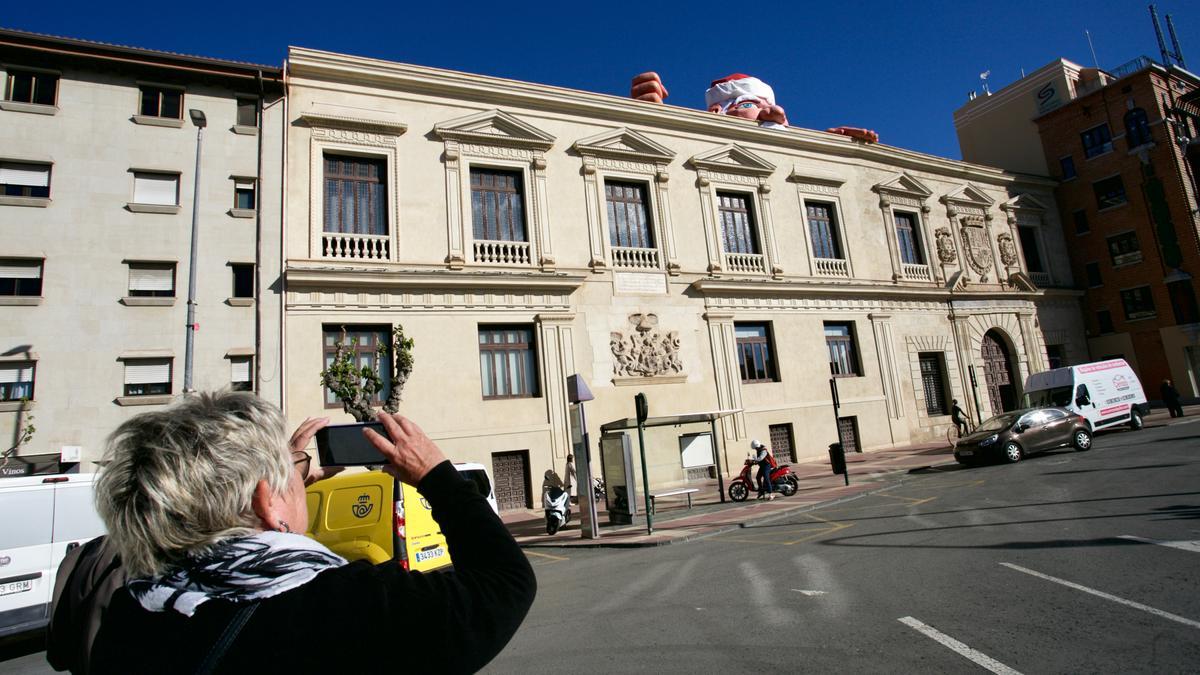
[[645, 350]]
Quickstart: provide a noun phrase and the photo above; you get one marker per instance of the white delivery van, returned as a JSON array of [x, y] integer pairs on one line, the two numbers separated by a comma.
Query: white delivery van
[[41, 517], [1105, 393]]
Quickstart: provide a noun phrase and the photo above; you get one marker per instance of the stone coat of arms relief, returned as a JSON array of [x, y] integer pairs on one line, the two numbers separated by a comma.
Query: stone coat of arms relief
[[977, 246], [1008, 249], [945, 246], [644, 350]]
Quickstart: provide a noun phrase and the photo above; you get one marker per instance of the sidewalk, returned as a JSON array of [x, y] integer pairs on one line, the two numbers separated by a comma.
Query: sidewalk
[[870, 472]]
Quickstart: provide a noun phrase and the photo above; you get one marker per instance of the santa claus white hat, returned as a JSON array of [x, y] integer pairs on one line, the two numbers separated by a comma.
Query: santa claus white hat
[[737, 87]]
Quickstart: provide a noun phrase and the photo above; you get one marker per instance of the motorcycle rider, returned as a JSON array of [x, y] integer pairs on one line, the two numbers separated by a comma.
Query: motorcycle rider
[[762, 456]]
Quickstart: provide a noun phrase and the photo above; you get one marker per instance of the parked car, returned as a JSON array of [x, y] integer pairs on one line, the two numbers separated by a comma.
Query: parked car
[[1011, 436], [1105, 393]]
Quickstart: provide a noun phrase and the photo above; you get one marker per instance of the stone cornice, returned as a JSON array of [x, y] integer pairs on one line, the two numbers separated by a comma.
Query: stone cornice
[[322, 120], [346, 69], [770, 288], [316, 276]]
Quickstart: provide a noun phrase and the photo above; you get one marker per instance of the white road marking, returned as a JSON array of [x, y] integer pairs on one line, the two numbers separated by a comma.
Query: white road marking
[[808, 593], [1101, 594], [959, 648], [1189, 546], [764, 597]]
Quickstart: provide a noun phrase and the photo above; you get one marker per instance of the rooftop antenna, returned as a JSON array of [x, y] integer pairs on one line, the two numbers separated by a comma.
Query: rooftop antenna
[[1162, 44], [983, 78], [1095, 61], [1175, 43]]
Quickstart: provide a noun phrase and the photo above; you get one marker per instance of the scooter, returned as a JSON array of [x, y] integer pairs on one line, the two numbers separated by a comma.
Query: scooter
[[782, 478], [557, 503]]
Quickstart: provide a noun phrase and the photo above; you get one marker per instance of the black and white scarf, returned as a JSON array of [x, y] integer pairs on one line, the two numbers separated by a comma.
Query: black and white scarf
[[238, 570]]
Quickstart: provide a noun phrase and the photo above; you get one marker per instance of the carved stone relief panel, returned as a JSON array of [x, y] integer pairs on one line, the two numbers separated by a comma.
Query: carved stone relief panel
[[977, 247], [645, 350], [1008, 249], [945, 245]]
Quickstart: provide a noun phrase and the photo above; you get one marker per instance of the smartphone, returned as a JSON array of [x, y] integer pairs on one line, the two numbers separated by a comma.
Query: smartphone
[[346, 445]]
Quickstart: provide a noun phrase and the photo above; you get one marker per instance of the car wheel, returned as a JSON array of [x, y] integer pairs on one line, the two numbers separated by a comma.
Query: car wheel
[[1082, 440], [1135, 420], [1013, 452]]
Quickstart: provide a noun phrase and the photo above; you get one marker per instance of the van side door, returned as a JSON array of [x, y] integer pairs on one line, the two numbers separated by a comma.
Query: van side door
[[75, 519], [26, 523]]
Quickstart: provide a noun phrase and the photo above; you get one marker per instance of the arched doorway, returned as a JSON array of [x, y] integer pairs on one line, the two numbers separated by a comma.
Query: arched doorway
[[998, 373]]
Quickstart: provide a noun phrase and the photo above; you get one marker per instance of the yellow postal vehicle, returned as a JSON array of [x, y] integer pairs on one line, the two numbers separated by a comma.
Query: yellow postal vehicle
[[368, 515]]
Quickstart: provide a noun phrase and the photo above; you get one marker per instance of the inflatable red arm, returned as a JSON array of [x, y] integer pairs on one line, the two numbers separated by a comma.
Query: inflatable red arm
[[864, 135], [648, 87]]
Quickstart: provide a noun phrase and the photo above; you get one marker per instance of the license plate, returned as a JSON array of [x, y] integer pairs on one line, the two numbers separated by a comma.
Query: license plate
[[966, 453], [16, 587]]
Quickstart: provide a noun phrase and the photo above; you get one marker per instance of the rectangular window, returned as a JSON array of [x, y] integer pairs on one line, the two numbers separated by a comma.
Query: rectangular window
[[933, 381], [16, 380], [355, 195], [908, 238], [156, 188], [161, 102], [498, 205], [147, 377], [628, 220], [1056, 356], [822, 227], [1092, 271], [243, 280], [738, 231], [247, 111], [1124, 249], [1110, 192], [372, 348], [20, 276], [152, 280], [1067, 164], [1081, 222], [243, 193], [507, 362], [1096, 141], [1029, 246], [1183, 301], [241, 371], [24, 179], [755, 352], [1138, 303], [1104, 322], [30, 87], [843, 354]]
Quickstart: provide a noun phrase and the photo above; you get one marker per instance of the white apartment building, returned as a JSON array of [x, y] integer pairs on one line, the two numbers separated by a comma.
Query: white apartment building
[[521, 233], [98, 159]]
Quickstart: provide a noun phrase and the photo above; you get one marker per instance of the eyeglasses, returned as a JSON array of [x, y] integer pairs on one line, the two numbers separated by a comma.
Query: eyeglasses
[[302, 462]]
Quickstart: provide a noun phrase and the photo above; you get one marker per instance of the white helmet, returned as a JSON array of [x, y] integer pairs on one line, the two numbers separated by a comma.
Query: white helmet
[[756, 445]]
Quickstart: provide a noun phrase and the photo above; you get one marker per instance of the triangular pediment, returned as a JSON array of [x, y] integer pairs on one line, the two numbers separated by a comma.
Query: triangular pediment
[[1024, 202], [735, 159], [494, 127], [624, 143], [968, 194], [902, 183]]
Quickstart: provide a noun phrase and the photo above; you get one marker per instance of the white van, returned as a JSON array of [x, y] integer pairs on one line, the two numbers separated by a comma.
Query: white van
[[41, 517], [1105, 393]]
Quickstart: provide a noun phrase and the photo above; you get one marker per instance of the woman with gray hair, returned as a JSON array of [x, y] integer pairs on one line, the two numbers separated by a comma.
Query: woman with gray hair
[[205, 504]]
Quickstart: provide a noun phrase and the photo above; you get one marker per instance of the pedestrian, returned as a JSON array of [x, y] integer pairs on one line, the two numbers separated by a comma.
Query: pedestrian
[[762, 456], [958, 417], [570, 471], [206, 506], [1170, 397]]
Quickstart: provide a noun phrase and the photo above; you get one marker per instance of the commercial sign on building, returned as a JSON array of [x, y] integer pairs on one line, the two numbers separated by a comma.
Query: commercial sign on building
[[1048, 98]]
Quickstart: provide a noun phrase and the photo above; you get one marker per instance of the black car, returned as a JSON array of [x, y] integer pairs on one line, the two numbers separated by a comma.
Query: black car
[[1012, 435]]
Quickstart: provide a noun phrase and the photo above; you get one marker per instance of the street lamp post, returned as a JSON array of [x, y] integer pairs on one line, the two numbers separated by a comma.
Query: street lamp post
[[200, 121]]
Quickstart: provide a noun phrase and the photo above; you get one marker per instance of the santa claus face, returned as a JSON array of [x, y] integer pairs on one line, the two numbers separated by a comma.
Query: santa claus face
[[747, 108]]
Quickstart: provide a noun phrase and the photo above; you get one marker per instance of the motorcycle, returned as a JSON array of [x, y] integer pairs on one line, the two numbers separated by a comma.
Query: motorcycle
[[782, 478], [557, 503]]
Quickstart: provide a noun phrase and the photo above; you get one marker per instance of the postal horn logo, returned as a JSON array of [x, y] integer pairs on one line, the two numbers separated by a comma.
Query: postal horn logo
[[363, 507]]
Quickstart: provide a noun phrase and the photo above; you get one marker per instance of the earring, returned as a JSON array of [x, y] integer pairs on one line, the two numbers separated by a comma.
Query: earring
[[283, 527]]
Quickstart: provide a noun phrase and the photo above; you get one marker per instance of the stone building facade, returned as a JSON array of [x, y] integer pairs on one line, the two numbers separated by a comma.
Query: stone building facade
[[97, 168], [522, 233]]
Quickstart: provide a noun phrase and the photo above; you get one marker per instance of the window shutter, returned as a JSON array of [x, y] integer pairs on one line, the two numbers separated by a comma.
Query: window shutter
[[20, 269], [151, 277], [32, 175], [147, 371], [156, 188], [11, 373], [239, 368]]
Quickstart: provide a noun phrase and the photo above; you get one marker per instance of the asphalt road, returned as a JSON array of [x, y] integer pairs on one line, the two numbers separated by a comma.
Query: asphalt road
[[1049, 565]]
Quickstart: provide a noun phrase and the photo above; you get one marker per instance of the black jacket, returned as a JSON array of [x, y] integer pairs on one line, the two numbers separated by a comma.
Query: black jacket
[[354, 618]]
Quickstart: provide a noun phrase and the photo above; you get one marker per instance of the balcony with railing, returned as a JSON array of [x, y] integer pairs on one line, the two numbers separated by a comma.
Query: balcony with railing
[[832, 267], [345, 246], [635, 258], [916, 272], [1041, 279], [746, 263], [503, 252]]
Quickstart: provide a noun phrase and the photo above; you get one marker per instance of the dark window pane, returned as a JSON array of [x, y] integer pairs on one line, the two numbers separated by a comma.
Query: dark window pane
[[628, 218], [823, 230], [1081, 222], [737, 223], [247, 113], [497, 205], [1109, 192], [507, 362], [171, 104], [843, 358], [1067, 164], [908, 239], [45, 90], [1137, 128], [1096, 141], [243, 280], [1183, 301], [149, 102], [1029, 246], [355, 195], [1138, 303], [1124, 249], [933, 383], [20, 87]]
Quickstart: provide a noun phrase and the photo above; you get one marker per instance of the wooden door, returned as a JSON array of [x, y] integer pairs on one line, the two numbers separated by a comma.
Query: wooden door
[[510, 471], [848, 434], [781, 443], [997, 373]]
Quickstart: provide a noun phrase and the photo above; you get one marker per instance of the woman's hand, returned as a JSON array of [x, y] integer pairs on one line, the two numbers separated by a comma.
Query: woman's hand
[[411, 454], [300, 440]]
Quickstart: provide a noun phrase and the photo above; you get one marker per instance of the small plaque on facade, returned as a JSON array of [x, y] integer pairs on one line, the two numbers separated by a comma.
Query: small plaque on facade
[[637, 282]]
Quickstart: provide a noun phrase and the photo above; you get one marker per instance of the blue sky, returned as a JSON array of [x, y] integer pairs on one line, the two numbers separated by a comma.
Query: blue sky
[[898, 68]]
